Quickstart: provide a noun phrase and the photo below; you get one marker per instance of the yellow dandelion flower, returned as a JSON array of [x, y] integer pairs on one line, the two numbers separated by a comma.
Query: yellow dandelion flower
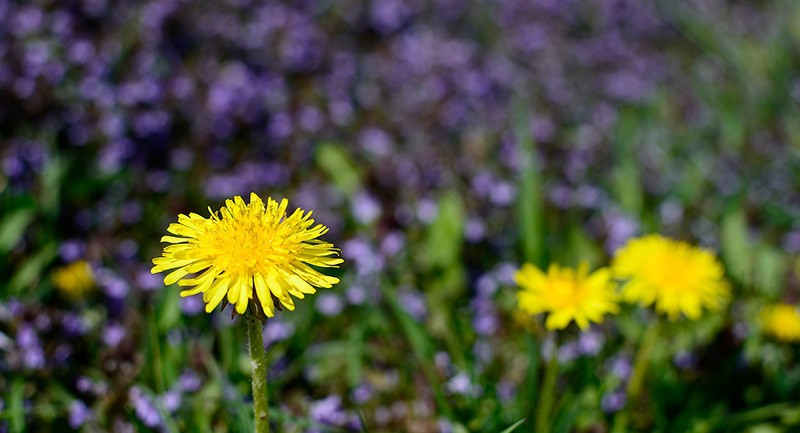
[[567, 294], [782, 322], [75, 279], [248, 251], [674, 275]]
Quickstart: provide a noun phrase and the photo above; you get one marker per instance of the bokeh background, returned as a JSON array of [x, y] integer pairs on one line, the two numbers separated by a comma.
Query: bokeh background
[[444, 142]]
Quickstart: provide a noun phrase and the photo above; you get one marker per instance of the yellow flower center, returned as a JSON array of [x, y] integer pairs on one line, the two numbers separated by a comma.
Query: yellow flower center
[[245, 244], [566, 292], [669, 271]]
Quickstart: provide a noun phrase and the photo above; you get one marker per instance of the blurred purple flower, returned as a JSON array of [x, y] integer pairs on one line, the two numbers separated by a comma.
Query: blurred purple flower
[[130, 212], [362, 394], [504, 272], [486, 285], [685, 360], [171, 400], [568, 352], [31, 352], [445, 426], [414, 303], [62, 353], [474, 229], [277, 330], [16, 309], [741, 330], [591, 343], [127, 249], [460, 384], [486, 323], [113, 285], [483, 351], [376, 141], [78, 414], [192, 305], [148, 281], [613, 402], [329, 304], [506, 391], [502, 193], [389, 15], [144, 408], [328, 411], [158, 181], [355, 295], [426, 210], [366, 209], [113, 334], [71, 250], [392, 243], [6, 343], [189, 381], [620, 367], [443, 362], [619, 229]]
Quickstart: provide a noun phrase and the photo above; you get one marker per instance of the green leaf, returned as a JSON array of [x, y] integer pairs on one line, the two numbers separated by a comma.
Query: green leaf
[[445, 235], [769, 271], [51, 184], [169, 310], [335, 162], [15, 398], [626, 179], [355, 352], [735, 246], [12, 228], [514, 426], [32, 269], [627, 186], [579, 248], [530, 202]]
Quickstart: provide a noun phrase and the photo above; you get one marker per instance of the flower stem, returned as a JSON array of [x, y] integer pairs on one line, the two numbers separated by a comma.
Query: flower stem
[[258, 363], [545, 401], [643, 358], [642, 361]]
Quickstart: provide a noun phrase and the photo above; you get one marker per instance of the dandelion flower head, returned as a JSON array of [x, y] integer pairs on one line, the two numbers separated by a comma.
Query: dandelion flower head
[[75, 279], [782, 321], [248, 251], [567, 294], [674, 275]]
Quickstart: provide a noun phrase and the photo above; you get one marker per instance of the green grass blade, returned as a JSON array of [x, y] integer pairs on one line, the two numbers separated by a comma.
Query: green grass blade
[[514, 426]]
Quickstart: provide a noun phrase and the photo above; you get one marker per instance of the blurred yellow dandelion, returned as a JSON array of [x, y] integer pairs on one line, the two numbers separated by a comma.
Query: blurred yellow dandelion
[[674, 275], [567, 294], [782, 321], [75, 279], [248, 251]]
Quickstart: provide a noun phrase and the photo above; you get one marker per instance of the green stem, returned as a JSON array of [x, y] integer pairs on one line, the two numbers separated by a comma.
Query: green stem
[[643, 358], [532, 384], [546, 392], [258, 362]]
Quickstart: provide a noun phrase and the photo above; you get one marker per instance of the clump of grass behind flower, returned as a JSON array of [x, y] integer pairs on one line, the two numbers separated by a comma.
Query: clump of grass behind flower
[[567, 295], [74, 280]]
